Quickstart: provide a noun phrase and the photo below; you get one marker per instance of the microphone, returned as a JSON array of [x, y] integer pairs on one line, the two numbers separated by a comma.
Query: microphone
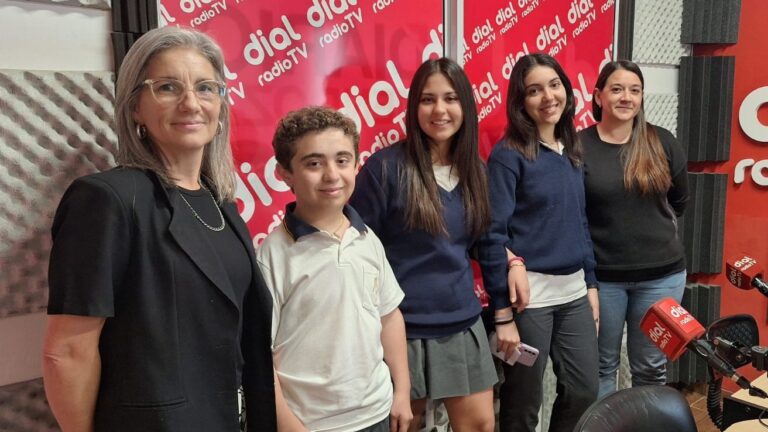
[[673, 330], [744, 272]]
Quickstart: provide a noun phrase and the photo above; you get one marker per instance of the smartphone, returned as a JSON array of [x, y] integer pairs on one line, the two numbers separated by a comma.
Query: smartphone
[[524, 354]]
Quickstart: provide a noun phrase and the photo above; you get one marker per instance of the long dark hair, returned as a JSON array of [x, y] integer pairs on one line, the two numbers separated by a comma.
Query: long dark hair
[[645, 162], [424, 209], [522, 132]]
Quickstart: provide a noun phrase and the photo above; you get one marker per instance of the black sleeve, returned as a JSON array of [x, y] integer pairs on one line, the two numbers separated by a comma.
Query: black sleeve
[[258, 375], [678, 169], [91, 248]]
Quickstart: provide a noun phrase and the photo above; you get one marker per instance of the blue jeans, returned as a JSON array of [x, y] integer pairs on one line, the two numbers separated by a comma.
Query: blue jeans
[[628, 301]]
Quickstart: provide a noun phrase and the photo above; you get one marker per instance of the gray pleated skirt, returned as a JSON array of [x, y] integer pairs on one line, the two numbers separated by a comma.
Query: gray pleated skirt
[[456, 365]]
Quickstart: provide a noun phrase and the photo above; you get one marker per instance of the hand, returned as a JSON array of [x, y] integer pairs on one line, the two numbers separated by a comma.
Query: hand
[[507, 339], [400, 415], [594, 302], [519, 292]]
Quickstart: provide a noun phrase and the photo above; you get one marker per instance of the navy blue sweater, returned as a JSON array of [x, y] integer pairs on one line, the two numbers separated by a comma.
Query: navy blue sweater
[[433, 271], [537, 212]]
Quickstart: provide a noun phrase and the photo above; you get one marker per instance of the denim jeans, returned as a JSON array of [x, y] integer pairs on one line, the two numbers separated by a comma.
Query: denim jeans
[[622, 302]]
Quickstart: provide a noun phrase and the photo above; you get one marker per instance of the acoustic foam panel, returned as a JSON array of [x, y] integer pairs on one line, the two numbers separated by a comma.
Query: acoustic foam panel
[[703, 222], [54, 127], [705, 107], [656, 38], [710, 21]]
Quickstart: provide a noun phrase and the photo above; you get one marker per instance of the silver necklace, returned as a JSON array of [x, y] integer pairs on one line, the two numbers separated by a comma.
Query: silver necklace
[[223, 222]]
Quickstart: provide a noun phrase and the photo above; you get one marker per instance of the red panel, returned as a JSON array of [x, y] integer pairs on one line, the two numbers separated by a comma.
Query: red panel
[[578, 33], [746, 226]]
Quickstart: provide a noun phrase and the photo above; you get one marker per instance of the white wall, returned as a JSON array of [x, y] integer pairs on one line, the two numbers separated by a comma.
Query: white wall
[[40, 36]]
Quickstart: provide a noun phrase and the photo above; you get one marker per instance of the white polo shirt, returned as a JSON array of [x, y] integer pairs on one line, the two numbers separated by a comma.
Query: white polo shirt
[[329, 296]]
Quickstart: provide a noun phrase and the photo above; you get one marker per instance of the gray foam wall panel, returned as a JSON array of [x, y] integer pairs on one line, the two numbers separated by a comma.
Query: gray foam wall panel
[[661, 110], [25, 409], [703, 222], [710, 21], [657, 32], [706, 105], [54, 127]]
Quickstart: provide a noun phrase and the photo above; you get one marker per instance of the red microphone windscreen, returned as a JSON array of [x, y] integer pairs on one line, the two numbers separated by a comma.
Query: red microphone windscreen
[[670, 327], [742, 270]]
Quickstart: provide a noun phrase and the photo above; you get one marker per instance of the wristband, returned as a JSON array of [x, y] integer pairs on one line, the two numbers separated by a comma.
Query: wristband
[[594, 287], [515, 261], [504, 318], [509, 321]]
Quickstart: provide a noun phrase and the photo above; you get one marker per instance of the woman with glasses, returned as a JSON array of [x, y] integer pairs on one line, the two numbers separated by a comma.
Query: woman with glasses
[[157, 311]]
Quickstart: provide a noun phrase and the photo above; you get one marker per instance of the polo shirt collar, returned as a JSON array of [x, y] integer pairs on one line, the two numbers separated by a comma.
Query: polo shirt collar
[[297, 228]]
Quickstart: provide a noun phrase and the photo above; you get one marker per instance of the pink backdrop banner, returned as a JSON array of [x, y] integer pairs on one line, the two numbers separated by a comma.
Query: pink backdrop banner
[[353, 55], [578, 33], [358, 56]]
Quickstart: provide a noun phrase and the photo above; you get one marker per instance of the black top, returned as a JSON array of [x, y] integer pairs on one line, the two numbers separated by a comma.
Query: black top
[[225, 245], [635, 237], [182, 330]]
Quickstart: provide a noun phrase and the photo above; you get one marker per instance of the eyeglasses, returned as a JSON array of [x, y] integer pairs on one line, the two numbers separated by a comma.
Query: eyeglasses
[[169, 91]]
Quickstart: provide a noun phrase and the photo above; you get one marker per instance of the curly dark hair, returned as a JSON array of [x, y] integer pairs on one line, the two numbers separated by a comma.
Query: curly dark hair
[[307, 120]]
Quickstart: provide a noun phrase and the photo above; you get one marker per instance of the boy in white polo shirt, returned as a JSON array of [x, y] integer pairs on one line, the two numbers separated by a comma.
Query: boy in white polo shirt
[[338, 338]]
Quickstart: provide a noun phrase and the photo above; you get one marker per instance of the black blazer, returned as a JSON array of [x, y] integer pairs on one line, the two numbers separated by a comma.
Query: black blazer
[[125, 248]]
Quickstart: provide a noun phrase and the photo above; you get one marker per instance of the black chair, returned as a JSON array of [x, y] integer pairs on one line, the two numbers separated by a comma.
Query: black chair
[[639, 409]]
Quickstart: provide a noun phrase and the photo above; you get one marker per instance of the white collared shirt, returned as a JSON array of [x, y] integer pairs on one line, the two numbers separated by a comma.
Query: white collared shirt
[[328, 299]]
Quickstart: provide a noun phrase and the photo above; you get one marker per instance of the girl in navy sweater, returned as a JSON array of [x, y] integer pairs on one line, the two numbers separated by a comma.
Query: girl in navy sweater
[[539, 249], [427, 199]]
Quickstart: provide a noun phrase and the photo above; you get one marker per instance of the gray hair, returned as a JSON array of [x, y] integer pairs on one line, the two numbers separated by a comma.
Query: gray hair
[[218, 165]]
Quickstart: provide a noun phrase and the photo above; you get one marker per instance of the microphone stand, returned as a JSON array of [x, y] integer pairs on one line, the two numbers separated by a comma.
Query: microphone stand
[[729, 353]]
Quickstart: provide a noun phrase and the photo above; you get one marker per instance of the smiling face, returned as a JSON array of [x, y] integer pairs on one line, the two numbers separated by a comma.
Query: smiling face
[[545, 96], [440, 115], [621, 97], [185, 127], [322, 172]]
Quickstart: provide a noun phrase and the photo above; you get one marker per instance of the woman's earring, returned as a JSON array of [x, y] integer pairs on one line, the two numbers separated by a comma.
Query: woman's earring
[[141, 131]]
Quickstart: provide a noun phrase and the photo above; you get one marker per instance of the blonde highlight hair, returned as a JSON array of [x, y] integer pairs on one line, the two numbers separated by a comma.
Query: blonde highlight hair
[[218, 167]]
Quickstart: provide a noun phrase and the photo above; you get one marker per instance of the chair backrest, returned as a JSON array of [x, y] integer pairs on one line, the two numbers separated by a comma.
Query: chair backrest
[[639, 409], [741, 330]]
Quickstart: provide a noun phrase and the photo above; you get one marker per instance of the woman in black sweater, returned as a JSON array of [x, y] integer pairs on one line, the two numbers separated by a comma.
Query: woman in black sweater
[[636, 187]]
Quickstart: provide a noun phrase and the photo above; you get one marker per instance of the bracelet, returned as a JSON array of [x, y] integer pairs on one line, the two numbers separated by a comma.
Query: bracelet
[[515, 264], [515, 261], [509, 321], [504, 318]]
